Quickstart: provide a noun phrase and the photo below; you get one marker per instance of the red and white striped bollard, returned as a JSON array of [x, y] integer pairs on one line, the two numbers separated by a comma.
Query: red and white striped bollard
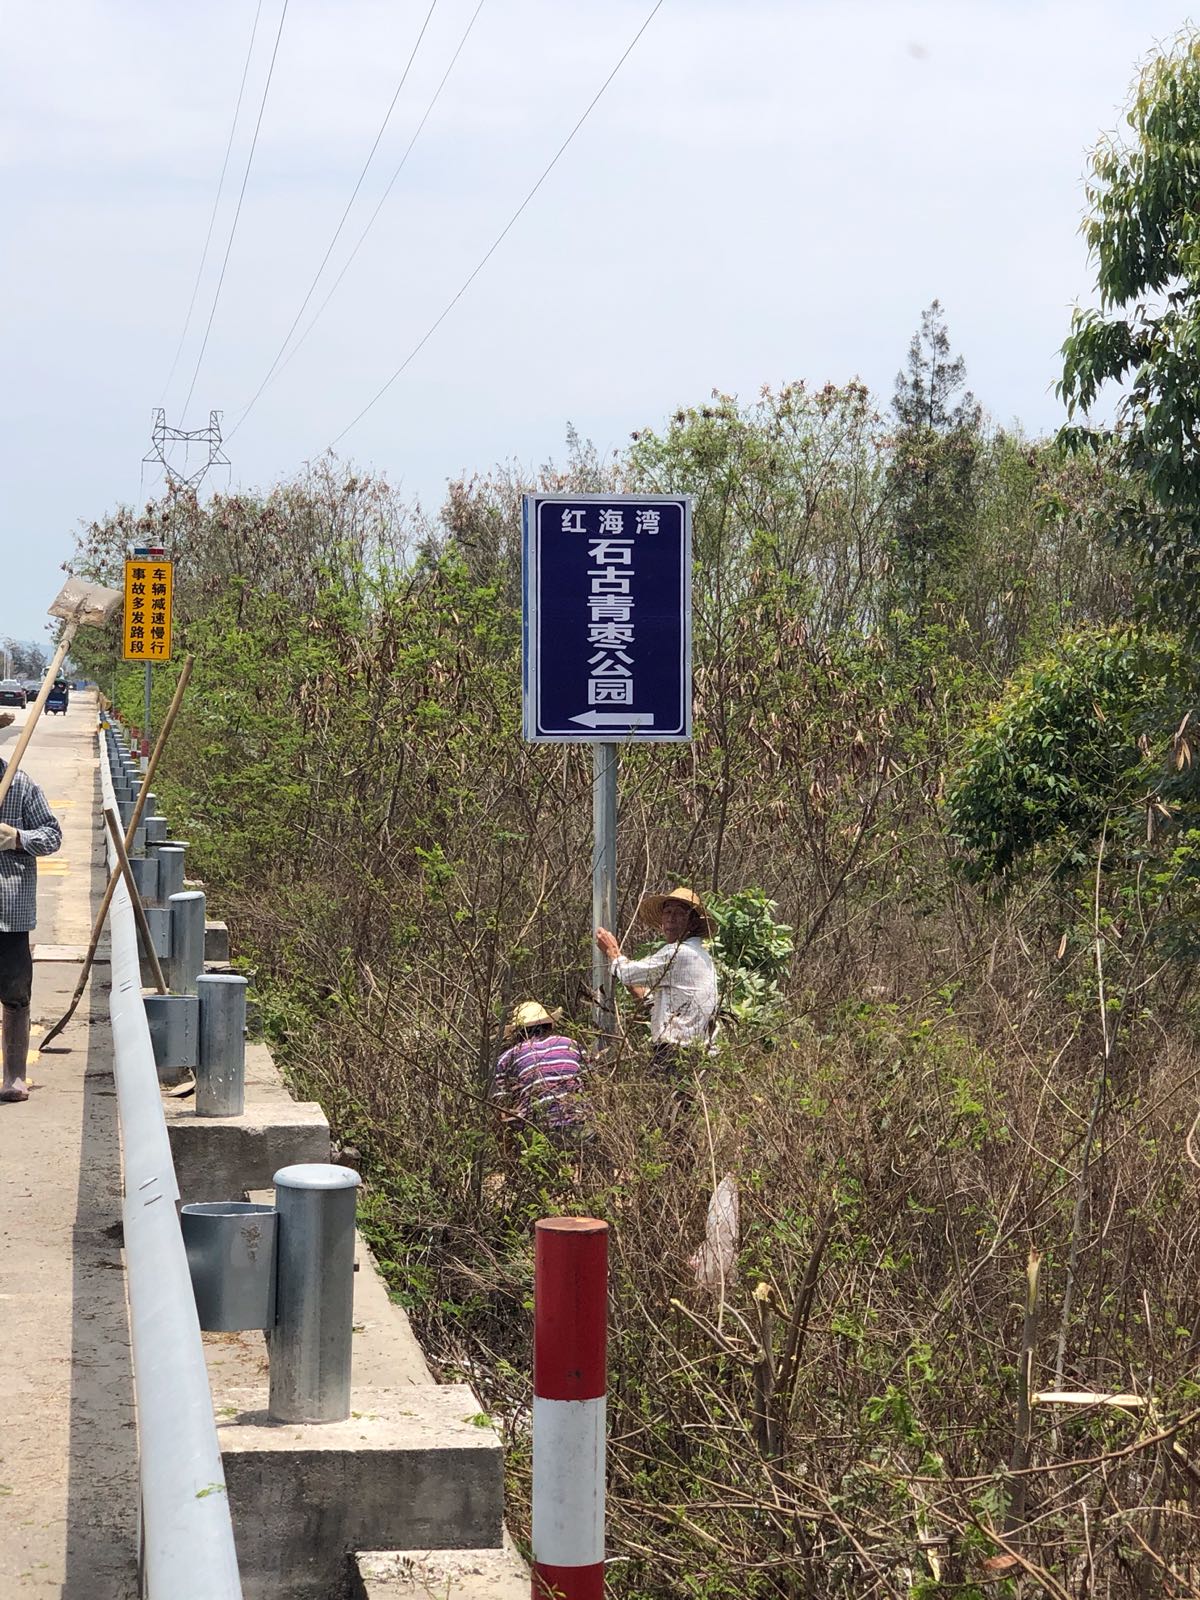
[[570, 1338]]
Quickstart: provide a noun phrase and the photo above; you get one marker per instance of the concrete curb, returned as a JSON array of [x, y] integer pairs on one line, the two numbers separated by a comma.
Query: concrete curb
[[405, 1470], [218, 1158], [484, 1574]]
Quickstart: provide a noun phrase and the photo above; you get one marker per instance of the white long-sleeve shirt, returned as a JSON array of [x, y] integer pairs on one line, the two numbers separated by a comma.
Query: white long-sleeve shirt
[[683, 984]]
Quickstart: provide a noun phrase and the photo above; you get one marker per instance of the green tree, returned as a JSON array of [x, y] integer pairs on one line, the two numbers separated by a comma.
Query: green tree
[[931, 477], [26, 660], [1060, 750], [1143, 230]]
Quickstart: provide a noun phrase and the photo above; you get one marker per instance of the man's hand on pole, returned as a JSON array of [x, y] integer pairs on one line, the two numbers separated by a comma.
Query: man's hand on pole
[[10, 839], [610, 948]]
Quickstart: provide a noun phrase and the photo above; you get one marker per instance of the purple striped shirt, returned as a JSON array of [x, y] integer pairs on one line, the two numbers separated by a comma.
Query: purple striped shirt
[[539, 1080]]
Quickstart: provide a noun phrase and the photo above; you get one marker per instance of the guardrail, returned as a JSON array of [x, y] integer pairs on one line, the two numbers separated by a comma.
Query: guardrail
[[187, 1533]]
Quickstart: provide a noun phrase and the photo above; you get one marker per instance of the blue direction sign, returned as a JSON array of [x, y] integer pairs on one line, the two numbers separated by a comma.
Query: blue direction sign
[[608, 617]]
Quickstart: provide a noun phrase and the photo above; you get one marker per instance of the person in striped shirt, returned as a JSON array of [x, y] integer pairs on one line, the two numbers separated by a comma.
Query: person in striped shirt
[[537, 1079], [28, 829]]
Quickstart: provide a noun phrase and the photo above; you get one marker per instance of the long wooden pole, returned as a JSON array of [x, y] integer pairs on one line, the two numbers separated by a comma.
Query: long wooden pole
[[135, 819], [22, 744], [139, 910]]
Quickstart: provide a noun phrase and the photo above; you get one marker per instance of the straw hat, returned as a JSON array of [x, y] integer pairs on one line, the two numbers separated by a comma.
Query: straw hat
[[530, 1014], [651, 908]]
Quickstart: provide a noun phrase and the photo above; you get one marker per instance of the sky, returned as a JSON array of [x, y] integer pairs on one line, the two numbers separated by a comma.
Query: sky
[[767, 190]]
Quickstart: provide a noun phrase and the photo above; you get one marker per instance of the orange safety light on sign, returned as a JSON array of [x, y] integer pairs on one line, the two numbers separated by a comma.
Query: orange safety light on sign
[[147, 628]]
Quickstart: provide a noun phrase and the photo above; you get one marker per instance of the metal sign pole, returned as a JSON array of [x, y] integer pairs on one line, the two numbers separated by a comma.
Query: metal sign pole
[[149, 586], [146, 722], [606, 652], [604, 876]]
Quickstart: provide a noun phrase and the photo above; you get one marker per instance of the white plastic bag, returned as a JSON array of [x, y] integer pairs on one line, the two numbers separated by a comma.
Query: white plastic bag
[[714, 1262]]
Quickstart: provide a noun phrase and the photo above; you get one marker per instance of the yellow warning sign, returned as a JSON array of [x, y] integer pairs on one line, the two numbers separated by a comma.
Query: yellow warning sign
[[148, 586]]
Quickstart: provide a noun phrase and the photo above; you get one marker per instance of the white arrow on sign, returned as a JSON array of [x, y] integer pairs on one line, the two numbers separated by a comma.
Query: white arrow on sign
[[616, 719]]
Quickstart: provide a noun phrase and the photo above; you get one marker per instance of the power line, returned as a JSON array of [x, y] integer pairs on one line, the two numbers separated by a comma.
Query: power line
[[337, 232], [237, 111], [362, 236], [501, 236], [241, 196]]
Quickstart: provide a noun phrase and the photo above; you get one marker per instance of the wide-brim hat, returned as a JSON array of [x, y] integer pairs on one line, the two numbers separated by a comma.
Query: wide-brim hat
[[651, 908], [530, 1014]]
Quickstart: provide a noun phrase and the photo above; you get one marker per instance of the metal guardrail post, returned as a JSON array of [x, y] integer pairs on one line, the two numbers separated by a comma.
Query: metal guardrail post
[[311, 1341], [221, 1062], [170, 871], [187, 940], [145, 875]]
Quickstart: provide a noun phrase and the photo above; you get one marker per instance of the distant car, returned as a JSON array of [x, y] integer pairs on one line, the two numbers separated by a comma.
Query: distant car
[[11, 693]]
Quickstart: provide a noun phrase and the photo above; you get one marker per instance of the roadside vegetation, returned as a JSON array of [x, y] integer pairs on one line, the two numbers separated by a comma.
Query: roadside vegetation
[[942, 796]]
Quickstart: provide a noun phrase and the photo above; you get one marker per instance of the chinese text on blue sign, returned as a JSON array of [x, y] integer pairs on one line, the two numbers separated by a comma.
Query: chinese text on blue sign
[[607, 623]]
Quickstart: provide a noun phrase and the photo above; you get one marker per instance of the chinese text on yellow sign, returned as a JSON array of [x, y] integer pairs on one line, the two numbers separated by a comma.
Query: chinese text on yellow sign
[[147, 610]]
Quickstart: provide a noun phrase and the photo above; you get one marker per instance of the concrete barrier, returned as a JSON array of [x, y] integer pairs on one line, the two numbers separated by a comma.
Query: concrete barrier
[[408, 1470], [416, 1469], [219, 1158]]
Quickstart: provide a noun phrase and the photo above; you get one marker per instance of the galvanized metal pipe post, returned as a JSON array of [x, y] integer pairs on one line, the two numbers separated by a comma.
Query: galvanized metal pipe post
[[221, 1065], [170, 871], [187, 940], [604, 877], [570, 1336], [310, 1342]]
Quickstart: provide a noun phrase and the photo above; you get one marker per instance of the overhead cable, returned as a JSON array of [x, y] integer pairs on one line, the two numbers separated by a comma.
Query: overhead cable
[[333, 288], [500, 237], [337, 232], [237, 111], [241, 196]]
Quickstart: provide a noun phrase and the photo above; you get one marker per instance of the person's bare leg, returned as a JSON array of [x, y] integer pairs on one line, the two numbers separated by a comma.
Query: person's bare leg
[[15, 1038]]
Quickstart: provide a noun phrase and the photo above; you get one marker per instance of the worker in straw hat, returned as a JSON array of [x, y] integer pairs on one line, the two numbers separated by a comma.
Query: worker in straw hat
[[28, 829], [679, 976], [537, 1079]]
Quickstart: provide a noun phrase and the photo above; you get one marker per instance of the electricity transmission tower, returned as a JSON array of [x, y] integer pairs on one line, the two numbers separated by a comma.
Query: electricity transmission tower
[[164, 443]]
